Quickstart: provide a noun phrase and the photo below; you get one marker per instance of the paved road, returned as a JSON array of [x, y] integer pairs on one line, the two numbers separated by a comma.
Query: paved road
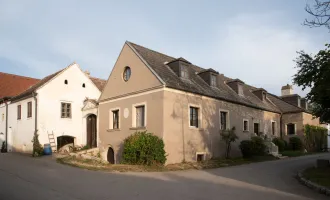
[[23, 177]]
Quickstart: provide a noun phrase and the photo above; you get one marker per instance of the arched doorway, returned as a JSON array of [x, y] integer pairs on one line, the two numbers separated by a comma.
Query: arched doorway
[[111, 156], [91, 131]]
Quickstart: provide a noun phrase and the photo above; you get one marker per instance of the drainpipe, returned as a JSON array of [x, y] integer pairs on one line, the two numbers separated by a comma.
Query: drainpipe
[[281, 131], [34, 94], [6, 125]]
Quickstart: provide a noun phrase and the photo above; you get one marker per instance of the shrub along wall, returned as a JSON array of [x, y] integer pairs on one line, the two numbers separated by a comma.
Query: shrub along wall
[[315, 137], [144, 148]]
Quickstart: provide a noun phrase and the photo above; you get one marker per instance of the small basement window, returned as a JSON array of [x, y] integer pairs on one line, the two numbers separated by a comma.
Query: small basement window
[[66, 82], [200, 157]]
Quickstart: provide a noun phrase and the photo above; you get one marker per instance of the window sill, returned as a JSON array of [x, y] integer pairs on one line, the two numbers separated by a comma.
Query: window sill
[[245, 131], [113, 130], [138, 128], [196, 128]]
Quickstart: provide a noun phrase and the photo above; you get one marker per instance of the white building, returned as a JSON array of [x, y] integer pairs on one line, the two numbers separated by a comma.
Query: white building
[[61, 105]]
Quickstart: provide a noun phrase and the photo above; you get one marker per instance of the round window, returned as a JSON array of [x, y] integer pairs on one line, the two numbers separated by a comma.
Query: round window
[[127, 73]]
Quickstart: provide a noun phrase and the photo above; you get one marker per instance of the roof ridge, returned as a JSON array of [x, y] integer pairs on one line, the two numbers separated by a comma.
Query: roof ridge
[[151, 50], [287, 102], [27, 77]]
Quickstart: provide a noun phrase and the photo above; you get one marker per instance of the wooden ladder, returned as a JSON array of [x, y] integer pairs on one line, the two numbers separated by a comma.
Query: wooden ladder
[[52, 141]]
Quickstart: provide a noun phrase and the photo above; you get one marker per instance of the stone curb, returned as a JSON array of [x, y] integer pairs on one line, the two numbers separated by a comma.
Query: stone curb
[[314, 186]]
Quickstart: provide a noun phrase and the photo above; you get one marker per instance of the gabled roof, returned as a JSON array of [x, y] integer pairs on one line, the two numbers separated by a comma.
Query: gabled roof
[[12, 85], [157, 61], [29, 91], [99, 83]]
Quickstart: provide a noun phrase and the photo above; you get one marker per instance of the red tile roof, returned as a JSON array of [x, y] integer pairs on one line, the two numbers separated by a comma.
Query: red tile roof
[[12, 85], [100, 83]]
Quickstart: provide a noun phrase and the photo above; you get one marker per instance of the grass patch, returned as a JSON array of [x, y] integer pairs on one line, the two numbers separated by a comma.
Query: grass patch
[[320, 176], [297, 153], [215, 163]]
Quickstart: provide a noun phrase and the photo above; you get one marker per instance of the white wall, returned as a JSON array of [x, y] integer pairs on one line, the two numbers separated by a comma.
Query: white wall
[[50, 97], [20, 132], [2, 123]]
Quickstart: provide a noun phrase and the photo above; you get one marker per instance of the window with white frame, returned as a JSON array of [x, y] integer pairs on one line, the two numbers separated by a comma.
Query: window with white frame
[[224, 120], [65, 110], [290, 129], [193, 116], [245, 125], [140, 117], [115, 117]]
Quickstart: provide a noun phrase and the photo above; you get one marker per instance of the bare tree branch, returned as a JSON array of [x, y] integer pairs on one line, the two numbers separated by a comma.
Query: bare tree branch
[[320, 10]]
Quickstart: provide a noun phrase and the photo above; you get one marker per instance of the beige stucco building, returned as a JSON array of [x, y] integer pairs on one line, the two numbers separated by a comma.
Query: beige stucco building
[[187, 106]]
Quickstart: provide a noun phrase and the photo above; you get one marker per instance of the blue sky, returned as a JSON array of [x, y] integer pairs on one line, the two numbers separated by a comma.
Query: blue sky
[[255, 41]]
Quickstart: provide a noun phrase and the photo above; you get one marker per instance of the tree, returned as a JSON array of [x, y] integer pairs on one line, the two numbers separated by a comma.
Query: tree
[[320, 10], [228, 136], [314, 73]]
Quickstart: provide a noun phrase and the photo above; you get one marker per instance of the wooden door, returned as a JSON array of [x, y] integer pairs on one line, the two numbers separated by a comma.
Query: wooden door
[[91, 131]]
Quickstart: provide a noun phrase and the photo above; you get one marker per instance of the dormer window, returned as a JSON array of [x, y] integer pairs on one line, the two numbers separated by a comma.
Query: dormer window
[[213, 81], [184, 71], [237, 86]]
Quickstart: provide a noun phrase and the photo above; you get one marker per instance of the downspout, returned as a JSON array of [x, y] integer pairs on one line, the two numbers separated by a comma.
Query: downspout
[[6, 125], [34, 94], [281, 131]]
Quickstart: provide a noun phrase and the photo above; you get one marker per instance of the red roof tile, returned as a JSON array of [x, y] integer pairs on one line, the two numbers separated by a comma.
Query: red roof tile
[[100, 83], [12, 85]]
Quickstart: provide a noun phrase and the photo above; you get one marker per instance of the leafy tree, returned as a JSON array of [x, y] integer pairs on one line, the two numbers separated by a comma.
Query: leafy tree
[[228, 136], [320, 10], [314, 73]]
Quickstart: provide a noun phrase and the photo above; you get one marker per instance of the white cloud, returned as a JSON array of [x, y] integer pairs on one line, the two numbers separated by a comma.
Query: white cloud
[[253, 48]]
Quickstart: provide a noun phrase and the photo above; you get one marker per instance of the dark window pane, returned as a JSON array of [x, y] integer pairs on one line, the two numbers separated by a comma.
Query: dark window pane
[[193, 116], [223, 120]]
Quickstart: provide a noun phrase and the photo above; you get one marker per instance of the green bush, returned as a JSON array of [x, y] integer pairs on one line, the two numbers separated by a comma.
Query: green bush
[[246, 147], [38, 150], [144, 148], [295, 144], [315, 138], [280, 143], [253, 147], [259, 147]]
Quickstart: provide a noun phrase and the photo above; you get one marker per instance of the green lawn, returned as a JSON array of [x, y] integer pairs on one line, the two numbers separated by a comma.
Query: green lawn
[[318, 176]]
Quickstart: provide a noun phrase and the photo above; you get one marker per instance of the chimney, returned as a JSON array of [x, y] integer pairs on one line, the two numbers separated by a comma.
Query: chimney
[[237, 86], [287, 90], [87, 73]]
